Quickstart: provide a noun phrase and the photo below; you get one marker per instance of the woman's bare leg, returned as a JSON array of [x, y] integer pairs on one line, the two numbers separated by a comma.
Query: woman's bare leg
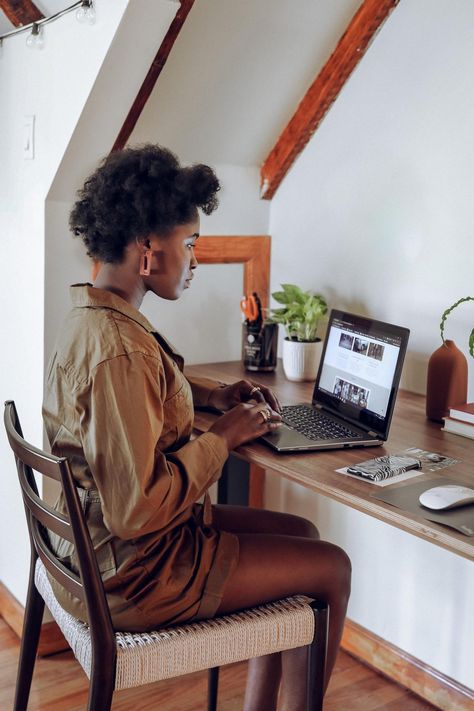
[[245, 519], [264, 673], [318, 569]]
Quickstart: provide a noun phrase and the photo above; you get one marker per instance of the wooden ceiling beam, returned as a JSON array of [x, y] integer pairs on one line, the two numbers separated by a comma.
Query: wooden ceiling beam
[[21, 12], [153, 74], [323, 92]]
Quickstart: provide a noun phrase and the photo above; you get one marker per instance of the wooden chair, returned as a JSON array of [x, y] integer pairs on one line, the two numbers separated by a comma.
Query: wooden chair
[[119, 660]]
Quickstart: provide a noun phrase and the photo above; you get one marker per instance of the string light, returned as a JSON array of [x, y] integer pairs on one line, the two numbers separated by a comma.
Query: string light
[[35, 40], [85, 13]]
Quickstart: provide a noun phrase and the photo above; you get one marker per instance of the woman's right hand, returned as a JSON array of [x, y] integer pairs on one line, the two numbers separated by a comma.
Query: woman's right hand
[[246, 422]]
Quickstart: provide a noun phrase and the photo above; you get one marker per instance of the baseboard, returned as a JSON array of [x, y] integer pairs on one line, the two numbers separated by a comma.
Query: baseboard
[[51, 638], [386, 658], [394, 663]]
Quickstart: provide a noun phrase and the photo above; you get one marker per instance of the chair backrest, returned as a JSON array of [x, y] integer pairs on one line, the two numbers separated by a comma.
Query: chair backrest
[[87, 585]]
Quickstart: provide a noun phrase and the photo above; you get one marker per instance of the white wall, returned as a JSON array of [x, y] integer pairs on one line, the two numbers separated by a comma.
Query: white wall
[[56, 85], [380, 202], [380, 207], [53, 85]]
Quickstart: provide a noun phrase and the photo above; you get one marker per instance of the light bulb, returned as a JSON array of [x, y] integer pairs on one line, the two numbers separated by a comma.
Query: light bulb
[[35, 39], [86, 12]]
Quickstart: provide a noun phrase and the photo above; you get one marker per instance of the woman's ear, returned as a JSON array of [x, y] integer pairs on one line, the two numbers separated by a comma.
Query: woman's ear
[[143, 243]]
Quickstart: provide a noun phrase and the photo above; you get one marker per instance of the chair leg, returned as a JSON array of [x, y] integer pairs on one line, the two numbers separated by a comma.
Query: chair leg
[[29, 645], [317, 652], [212, 688], [102, 683]]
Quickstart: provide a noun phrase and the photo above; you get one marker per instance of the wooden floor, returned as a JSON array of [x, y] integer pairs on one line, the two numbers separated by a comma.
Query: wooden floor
[[59, 684]]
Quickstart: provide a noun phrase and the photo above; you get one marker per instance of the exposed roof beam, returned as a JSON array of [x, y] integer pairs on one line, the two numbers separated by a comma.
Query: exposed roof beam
[[153, 74], [323, 92], [21, 12]]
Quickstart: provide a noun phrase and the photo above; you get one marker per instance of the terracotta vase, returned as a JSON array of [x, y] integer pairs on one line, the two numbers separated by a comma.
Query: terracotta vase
[[447, 381]]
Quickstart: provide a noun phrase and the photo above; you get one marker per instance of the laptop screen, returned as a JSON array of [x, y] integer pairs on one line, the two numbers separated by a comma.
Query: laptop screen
[[360, 369]]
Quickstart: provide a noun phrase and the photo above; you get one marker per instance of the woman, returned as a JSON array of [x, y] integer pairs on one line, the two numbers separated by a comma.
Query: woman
[[119, 407]]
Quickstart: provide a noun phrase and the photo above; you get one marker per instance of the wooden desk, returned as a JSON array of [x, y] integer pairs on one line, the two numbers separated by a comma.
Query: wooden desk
[[410, 428]]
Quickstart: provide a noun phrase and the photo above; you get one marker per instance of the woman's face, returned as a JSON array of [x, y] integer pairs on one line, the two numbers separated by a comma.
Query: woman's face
[[173, 261]]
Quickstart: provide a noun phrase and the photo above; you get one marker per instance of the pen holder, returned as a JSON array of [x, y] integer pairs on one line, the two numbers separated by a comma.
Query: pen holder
[[259, 346]]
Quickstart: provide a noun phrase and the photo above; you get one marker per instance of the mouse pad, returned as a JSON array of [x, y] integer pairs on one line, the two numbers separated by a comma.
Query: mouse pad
[[406, 497]]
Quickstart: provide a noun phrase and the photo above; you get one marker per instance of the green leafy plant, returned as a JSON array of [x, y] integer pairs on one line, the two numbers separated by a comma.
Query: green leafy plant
[[445, 316], [300, 313]]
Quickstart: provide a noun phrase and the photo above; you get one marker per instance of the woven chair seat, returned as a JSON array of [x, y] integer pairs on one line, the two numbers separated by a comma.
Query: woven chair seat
[[146, 657]]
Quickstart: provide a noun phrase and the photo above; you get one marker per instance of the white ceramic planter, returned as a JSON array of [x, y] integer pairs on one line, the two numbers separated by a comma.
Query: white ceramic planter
[[301, 360]]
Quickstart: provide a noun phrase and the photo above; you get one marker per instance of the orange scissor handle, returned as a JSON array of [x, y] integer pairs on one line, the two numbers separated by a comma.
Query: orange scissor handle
[[249, 308]]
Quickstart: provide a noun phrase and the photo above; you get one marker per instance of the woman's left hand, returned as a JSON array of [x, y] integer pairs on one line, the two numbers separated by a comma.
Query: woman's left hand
[[228, 396]]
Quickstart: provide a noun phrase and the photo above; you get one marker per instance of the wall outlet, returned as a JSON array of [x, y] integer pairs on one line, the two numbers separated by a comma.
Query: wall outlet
[[29, 137]]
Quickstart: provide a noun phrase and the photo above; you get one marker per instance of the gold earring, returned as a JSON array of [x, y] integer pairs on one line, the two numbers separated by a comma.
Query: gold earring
[[145, 262]]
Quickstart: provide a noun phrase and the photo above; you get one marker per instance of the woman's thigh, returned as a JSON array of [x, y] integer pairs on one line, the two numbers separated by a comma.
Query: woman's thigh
[[244, 519], [273, 566]]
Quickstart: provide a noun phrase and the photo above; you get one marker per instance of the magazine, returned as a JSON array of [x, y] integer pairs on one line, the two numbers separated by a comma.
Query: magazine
[[431, 461], [385, 467], [401, 466]]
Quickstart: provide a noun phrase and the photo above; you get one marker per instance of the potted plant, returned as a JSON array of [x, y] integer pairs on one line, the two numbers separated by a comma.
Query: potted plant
[[300, 313], [445, 316], [447, 375]]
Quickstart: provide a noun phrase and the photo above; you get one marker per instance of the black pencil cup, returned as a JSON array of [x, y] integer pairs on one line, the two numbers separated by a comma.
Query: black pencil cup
[[259, 346]]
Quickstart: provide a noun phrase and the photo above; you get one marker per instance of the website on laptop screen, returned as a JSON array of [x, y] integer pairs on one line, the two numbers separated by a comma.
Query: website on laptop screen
[[359, 367]]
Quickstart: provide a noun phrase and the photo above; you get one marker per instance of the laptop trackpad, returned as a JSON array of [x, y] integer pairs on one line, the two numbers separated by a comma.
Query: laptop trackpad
[[286, 437]]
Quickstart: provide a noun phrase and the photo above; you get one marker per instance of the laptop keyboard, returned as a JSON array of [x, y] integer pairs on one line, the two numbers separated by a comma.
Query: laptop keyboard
[[314, 424]]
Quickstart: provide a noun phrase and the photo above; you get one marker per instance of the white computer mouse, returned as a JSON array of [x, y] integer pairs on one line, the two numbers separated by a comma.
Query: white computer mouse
[[446, 497]]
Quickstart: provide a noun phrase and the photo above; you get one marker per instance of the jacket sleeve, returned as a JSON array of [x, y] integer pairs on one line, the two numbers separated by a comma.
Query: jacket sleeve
[[202, 389], [142, 489]]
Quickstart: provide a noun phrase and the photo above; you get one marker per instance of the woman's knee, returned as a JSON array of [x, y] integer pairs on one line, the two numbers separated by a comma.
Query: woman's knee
[[341, 569]]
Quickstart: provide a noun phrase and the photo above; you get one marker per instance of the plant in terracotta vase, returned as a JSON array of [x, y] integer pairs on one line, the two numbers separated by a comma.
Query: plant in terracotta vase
[[300, 313], [447, 372]]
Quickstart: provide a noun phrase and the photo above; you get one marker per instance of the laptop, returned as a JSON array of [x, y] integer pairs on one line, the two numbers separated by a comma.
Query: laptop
[[355, 389]]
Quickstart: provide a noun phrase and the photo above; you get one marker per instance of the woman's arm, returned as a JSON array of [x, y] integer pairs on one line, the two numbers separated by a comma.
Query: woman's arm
[[209, 393], [202, 389], [142, 489]]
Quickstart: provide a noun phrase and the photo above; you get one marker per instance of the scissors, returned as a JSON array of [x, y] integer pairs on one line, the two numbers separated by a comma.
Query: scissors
[[250, 308]]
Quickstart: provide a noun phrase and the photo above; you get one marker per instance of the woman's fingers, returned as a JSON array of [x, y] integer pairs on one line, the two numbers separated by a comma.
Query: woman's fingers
[[255, 392], [260, 393], [267, 417], [263, 394]]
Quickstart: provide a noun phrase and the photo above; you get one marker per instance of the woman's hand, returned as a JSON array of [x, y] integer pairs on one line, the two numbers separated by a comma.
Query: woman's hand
[[246, 422], [228, 396]]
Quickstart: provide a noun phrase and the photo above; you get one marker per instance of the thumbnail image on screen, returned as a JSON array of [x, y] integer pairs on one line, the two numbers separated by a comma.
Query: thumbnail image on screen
[[350, 392]]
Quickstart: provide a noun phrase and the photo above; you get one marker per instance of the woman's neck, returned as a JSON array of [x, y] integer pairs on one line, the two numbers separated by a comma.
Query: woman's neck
[[120, 280]]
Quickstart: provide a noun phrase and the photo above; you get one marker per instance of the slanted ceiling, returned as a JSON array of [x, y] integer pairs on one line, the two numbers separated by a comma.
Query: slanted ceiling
[[236, 74], [241, 83], [244, 107]]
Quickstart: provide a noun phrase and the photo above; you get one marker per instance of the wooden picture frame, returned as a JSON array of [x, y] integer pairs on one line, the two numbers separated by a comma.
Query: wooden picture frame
[[251, 251]]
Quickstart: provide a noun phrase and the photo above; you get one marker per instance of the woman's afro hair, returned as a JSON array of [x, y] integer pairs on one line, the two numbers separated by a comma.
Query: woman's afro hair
[[137, 192]]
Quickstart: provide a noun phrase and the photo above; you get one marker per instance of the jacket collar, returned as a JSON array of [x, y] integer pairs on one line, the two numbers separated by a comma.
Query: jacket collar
[[87, 296]]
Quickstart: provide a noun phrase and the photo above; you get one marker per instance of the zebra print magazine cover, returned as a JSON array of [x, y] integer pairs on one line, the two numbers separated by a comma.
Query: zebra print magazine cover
[[404, 465]]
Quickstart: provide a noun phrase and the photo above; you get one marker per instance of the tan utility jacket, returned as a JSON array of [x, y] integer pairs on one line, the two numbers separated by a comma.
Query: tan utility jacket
[[119, 407]]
